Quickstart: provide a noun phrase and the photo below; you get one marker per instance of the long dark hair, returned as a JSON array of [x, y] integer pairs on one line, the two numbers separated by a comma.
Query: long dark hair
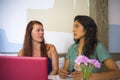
[[91, 30], [27, 46]]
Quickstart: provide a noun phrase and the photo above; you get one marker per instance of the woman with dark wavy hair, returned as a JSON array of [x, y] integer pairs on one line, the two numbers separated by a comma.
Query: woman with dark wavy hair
[[86, 43], [35, 46]]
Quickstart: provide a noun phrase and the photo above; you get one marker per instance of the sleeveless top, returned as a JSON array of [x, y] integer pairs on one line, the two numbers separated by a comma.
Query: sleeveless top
[[49, 65]]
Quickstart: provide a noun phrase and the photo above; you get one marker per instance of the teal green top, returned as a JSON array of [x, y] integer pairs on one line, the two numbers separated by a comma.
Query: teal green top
[[100, 53]]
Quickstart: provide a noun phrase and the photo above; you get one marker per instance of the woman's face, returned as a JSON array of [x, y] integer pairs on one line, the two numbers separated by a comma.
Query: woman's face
[[37, 33], [78, 30]]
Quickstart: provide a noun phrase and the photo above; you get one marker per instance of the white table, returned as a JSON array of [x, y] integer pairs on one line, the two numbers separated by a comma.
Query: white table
[[56, 77]]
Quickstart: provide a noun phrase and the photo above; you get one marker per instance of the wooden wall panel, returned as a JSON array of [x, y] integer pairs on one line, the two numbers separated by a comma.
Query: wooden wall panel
[[99, 12]]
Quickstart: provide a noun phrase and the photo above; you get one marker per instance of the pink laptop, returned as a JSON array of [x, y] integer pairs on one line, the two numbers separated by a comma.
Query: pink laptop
[[23, 68]]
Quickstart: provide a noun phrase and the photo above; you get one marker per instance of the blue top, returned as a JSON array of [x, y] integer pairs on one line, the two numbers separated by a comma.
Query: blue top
[[49, 65], [100, 54]]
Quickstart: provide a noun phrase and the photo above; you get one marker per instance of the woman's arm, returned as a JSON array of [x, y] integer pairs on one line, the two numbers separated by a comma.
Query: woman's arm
[[63, 73], [54, 58], [20, 53], [113, 72]]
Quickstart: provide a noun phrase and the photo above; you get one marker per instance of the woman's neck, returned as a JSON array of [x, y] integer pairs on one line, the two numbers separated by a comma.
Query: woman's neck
[[80, 46], [36, 44], [36, 49]]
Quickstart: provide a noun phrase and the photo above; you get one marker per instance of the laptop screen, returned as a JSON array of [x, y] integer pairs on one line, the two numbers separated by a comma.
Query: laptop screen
[[23, 68]]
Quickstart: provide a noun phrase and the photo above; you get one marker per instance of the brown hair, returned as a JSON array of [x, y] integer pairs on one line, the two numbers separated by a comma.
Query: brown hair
[[91, 39], [27, 46]]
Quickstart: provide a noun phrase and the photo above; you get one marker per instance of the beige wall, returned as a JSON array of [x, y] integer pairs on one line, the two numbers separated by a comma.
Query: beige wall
[[60, 17], [56, 15], [58, 21]]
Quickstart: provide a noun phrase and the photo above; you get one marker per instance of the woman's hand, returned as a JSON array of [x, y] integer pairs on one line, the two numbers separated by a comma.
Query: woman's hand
[[63, 73], [77, 75]]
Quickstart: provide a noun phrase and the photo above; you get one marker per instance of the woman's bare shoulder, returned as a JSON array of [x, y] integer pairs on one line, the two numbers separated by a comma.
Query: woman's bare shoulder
[[20, 53], [51, 50], [50, 46]]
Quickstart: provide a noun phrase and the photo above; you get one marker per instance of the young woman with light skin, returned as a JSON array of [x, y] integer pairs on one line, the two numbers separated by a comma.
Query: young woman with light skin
[[35, 46], [86, 43]]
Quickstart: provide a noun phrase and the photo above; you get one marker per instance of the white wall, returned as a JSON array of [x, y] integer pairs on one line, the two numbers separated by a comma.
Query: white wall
[[114, 26], [15, 14], [56, 15]]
